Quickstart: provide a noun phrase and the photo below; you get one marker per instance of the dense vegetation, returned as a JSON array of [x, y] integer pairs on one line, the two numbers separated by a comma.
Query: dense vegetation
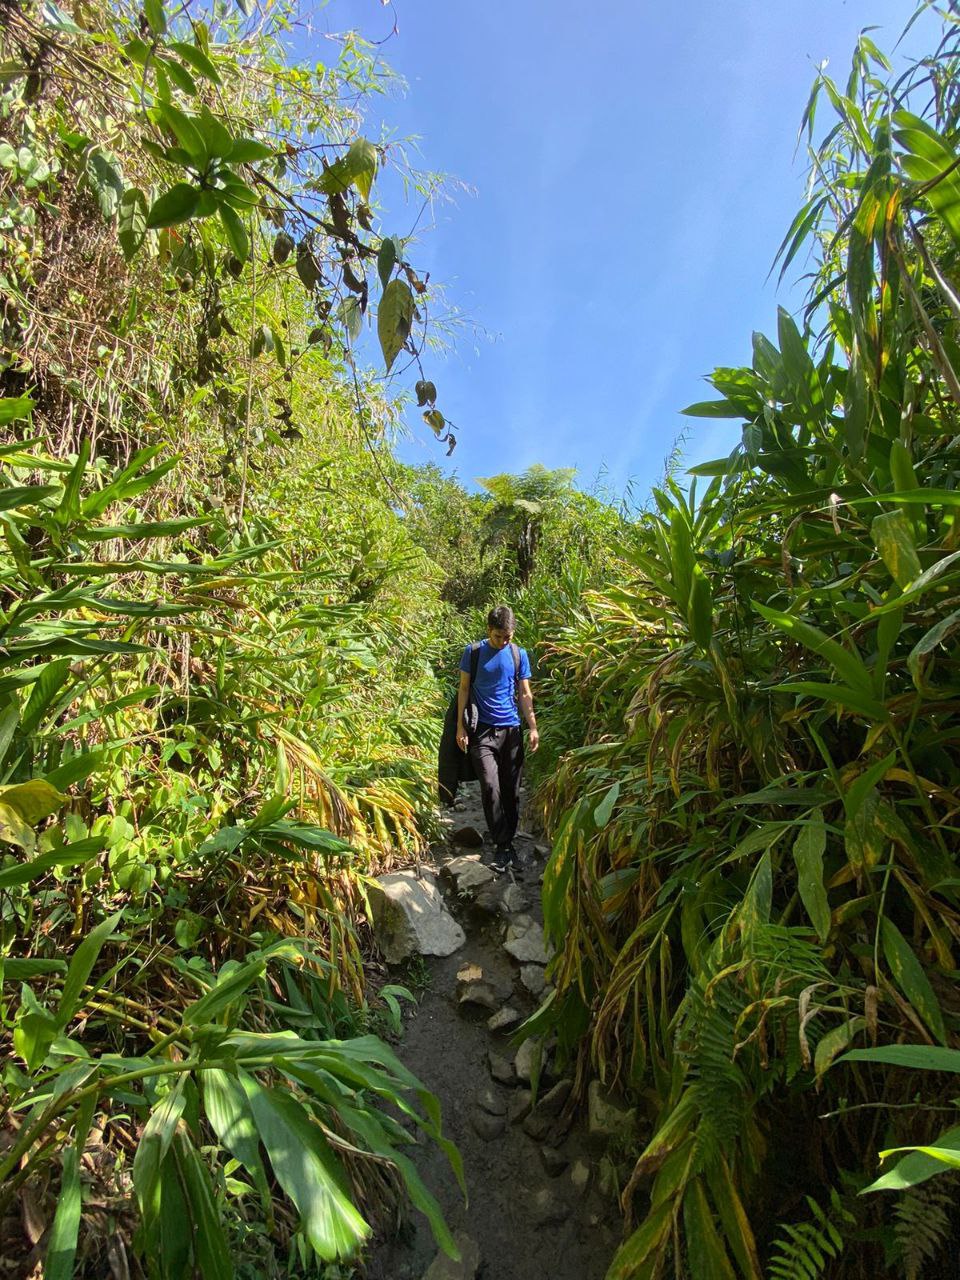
[[227, 622], [755, 848]]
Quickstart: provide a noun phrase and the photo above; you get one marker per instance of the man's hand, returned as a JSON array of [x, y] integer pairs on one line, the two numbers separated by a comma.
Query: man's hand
[[463, 742], [533, 739]]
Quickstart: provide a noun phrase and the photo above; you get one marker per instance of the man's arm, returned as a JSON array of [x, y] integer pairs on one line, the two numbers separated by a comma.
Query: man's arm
[[526, 708], [463, 693]]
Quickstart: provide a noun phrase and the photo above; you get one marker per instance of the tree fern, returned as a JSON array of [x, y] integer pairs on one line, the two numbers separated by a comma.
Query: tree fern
[[804, 1249], [923, 1223]]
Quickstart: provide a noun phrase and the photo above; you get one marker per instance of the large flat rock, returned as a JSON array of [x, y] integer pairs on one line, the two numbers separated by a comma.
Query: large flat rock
[[409, 918]]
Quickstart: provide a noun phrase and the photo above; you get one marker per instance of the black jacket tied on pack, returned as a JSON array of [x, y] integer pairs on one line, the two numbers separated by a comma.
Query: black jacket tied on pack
[[453, 765]]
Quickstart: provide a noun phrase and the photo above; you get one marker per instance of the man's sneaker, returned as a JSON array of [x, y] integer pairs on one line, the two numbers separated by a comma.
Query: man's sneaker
[[501, 861]]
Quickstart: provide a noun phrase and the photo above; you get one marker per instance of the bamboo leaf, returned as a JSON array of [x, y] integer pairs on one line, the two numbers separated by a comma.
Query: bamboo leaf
[[908, 974], [394, 319], [62, 1244], [808, 854]]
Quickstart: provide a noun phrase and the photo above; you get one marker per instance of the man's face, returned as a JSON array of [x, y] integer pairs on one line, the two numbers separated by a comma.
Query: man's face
[[499, 639]]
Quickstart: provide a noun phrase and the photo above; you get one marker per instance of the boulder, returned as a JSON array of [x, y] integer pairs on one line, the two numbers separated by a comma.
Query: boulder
[[477, 993], [489, 1100], [519, 1107], [487, 1126], [444, 1268], [528, 1055], [532, 977], [553, 1102], [503, 1019], [467, 873], [467, 836], [525, 942], [607, 1116], [513, 899], [409, 918], [501, 1069], [553, 1161], [580, 1176]]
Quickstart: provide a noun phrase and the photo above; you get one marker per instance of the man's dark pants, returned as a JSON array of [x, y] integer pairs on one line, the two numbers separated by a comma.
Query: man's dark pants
[[497, 755]]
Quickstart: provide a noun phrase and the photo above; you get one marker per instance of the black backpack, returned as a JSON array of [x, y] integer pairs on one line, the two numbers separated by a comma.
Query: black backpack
[[470, 713]]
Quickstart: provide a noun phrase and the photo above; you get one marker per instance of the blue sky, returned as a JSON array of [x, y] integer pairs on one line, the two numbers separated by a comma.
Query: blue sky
[[630, 171]]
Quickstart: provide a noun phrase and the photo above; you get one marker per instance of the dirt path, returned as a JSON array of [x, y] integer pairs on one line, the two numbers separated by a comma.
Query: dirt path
[[534, 1212]]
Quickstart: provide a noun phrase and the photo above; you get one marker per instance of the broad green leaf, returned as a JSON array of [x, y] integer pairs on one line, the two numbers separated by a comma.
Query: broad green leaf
[[132, 225], [681, 557], [13, 408], [307, 1169], [247, 150], [839, 695], [211, 1251], [386, 259], [62, 1243], [68, 855], [908, 974], [34, 1031], [700, 610], [394, 319], [177, 205], [186, 129], [927, 644], [224, 993], [850, 667], [236, 232], [357, 168], [13, 829], [228, 1111], [943, 1155], [917, 1167], [640, 1255], [757, 901], [604, 810], [34, 800], [81, 966], [892, 534], [351, 316], [920, 1057], [153, 11], [808, 855], [200, 63], [152, 1150], [705, 1252], [834, 1042]]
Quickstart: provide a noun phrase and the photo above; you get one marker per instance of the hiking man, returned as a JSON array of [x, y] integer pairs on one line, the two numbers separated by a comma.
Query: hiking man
[[501, 685]]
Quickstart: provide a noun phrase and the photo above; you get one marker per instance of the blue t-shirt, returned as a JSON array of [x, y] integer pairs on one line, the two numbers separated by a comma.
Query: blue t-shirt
[[493, 687]]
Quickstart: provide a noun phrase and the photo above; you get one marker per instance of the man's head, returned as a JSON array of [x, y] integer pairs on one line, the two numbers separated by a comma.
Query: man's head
[[501, 625]]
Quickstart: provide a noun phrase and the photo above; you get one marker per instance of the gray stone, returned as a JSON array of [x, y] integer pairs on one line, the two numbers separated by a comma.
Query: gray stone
[[537, 1126], [506, 1017], [547, 1207], [487, 1126], [513, 899], [553, 1161], [553, 1102], [527, 1056], [542, 850], [526, 943], [470, 973], [607, 1117], [444, 1268], [477, 993], [580, 1173], [533, 978], [468, 873], [488, 1099], [519, 1107], [607, 1179], [501, 1069], [467, 836], [409, 918]]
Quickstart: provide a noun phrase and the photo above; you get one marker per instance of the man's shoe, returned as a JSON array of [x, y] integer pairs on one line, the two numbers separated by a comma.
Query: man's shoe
[[501, 861]]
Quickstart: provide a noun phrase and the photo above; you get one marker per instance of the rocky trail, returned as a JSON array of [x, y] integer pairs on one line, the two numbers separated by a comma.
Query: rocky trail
[[541, 1196]]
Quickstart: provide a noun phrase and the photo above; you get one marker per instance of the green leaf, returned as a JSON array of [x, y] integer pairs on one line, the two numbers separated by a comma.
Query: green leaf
[[307, 267], [186, 129], [835, 1042], [386, 259], [200, 63], [12, 409], [132, 225], [177, 205], [236, 232], [808, 854], [917, 1167], [920, 1057], [426, 393], [153, 12], [892, 534], [33, 800], [394, 319], [81, 966], [68, 855], [211, 1251], [351, 316], [927, 643], [357, 168], [152, 1150], [908, 974], [603, 811], [54, 16], [62, 1244], [849, 667], [700, 608], [705, 1252], [308, 1171], [246, 150], [227, 989]]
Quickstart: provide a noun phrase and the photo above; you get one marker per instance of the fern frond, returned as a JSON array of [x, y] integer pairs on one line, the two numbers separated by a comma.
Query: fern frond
[[804, 1249], [923, 1223]]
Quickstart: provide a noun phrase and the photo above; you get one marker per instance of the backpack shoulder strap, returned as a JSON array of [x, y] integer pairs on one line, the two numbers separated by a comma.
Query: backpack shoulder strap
[[474, 660], [515, 650]]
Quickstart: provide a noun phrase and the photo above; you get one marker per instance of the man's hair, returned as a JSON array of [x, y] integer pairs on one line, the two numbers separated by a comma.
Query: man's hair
[[501, 619]]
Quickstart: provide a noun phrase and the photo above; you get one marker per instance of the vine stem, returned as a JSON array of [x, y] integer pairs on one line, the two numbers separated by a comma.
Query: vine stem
[[250, 359]]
